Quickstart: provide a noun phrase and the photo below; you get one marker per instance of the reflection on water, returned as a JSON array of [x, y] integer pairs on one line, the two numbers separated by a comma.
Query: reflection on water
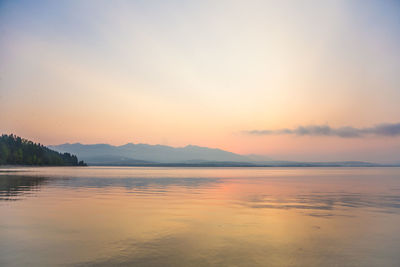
[[99, 216], [12, 187], [329, 201]]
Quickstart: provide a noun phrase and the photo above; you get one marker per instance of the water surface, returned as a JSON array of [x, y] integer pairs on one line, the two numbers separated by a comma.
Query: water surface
[[133, 216]]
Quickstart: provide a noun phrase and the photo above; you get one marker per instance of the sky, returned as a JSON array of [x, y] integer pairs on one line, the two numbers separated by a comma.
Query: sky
[[293, 80]]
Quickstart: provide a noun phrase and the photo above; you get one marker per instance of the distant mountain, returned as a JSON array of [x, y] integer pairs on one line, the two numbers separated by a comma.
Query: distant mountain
[[188, 156], [255, 157], [134, 154]]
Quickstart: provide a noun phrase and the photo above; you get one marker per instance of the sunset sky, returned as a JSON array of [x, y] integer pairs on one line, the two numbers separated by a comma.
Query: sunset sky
[[293, 80]]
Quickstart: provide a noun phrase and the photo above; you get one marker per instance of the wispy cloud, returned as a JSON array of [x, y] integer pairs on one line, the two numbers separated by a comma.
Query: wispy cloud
[[386, 129]]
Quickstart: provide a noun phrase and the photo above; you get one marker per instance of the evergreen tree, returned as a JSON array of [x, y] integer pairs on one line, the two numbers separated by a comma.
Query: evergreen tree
[[16, 150]]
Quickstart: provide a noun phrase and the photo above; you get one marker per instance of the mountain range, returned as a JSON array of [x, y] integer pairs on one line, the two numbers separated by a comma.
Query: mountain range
[[143, 153], [160, 155]]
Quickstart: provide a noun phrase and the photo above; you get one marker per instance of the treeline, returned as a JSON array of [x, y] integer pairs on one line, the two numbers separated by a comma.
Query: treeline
[[15, 150]]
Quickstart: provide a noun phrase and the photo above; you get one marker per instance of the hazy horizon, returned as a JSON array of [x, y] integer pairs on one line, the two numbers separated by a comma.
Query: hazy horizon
[[293, 80], [250, 157]]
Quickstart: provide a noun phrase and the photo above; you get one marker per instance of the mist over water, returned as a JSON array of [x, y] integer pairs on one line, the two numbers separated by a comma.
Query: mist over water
[[107, 216]]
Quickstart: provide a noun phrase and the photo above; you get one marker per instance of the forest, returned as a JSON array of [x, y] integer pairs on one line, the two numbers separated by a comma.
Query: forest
[[15, 150]]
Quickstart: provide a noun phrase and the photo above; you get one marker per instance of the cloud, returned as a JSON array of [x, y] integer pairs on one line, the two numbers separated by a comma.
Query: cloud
[[386, 129]]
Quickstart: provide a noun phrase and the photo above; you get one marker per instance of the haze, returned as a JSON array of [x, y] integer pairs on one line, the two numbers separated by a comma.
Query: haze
[[208, 73]]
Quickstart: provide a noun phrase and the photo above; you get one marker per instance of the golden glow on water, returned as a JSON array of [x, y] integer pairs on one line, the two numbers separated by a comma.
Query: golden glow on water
[[187, 216]]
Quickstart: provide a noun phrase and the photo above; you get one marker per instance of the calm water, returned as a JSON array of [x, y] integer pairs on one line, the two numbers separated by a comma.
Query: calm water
[[100, 216]]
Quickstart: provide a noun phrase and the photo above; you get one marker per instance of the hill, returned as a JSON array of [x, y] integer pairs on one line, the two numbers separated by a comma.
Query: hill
[[15, 150]]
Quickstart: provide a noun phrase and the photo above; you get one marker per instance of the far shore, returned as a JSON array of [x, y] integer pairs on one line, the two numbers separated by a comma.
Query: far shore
[[214, 165]]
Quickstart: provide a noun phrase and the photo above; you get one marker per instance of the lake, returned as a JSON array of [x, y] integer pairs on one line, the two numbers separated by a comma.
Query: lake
[[138, 216]]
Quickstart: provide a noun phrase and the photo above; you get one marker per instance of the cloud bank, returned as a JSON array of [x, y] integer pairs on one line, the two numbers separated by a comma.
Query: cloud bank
[[386, 129]]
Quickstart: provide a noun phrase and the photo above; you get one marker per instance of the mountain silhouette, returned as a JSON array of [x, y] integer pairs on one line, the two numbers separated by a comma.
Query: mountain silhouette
[[143, 153]]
